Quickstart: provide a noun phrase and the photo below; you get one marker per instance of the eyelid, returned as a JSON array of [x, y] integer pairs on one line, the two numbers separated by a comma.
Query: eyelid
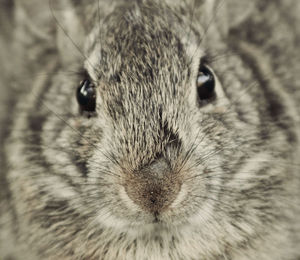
[[206, 60], [85, 75]]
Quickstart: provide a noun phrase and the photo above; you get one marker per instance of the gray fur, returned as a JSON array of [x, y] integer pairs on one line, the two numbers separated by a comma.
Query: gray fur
[[153, 174]]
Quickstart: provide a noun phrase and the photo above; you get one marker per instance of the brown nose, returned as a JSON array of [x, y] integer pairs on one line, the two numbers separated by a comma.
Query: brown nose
[[153, 188]]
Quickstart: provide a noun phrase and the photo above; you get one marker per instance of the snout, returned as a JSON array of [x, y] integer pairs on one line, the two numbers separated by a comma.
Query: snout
[[154, 187]]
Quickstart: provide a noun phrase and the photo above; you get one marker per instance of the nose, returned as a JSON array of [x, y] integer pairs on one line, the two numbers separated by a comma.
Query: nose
[[154, 187]]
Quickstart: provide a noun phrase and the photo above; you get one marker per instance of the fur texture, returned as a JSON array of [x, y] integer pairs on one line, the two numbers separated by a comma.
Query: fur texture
[[152, 174]]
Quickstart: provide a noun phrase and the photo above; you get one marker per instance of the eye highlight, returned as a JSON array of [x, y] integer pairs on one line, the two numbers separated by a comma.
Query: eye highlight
[[205, 83], [86, 96]]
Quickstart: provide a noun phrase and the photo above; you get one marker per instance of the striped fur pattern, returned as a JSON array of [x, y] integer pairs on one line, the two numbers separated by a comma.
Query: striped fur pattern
[[70, 184]]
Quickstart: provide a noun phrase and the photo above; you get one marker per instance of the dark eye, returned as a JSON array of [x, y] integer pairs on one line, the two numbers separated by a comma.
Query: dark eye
[[205, 83], [86, 96]]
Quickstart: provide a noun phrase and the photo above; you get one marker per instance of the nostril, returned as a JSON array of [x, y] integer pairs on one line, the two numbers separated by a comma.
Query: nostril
[[153, 200]]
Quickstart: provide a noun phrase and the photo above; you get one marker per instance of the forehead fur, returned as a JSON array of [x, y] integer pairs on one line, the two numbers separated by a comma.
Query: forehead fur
[[143, 71], [146, 52], [147, 34]]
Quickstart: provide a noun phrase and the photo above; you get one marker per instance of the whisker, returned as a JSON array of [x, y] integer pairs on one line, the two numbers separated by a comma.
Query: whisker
[[66, 34], [211, 20]]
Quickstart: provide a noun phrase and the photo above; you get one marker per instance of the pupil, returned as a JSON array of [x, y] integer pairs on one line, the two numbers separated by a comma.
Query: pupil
[[86, 96], [205, 83]]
